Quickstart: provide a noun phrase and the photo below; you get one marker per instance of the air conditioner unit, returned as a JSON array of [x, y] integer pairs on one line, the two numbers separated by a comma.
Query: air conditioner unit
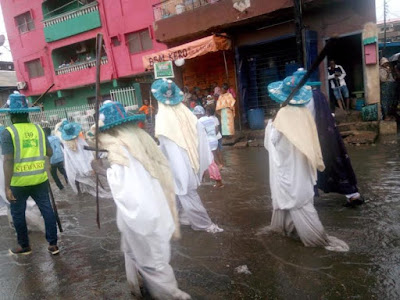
[[21, 85]]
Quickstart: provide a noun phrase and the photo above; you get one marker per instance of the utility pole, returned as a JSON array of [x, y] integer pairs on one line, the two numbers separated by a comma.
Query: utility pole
[[298, 21], [384, 27]]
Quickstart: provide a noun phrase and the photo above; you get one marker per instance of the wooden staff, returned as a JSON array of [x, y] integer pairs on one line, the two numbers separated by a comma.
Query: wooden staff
[[42, 95], [99, 44], [53, 202]]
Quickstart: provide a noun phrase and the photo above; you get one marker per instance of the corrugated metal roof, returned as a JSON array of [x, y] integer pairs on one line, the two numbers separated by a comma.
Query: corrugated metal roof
[[8, 78]]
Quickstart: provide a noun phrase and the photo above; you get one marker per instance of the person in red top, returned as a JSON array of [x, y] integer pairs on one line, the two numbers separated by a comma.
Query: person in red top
[[146, 108]]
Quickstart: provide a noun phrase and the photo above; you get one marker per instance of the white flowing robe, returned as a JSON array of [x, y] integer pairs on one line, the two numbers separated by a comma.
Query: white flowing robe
[[292, 180], [146, 224], [78, 168], [187, 180]]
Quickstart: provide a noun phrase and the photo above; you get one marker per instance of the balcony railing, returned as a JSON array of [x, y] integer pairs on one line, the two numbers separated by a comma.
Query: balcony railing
[[71, 23], [169, 8], [87, 9], [79, 66]]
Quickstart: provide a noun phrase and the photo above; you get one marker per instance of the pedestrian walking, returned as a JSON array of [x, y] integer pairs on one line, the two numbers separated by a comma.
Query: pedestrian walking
[[143, 190], [77, 160], [211, 131], [338, 176], [336, 77], [184, 142], [24, 147], [294, 158], [57, 159]]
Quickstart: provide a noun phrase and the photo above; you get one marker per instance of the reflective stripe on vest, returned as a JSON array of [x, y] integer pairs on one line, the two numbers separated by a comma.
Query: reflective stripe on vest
[[29, 154]]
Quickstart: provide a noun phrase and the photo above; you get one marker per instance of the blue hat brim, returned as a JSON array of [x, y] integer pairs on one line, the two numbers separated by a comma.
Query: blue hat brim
[[19, 110], [156, 91], [302, 97], [68, 137], [134, 118]]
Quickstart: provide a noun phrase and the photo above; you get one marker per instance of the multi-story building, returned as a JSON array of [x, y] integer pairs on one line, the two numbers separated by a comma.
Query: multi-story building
[[53, 42], [262, 42], [392, 37]]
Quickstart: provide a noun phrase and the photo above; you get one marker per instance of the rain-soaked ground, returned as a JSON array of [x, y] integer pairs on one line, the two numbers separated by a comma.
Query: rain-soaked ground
[[91, 266]]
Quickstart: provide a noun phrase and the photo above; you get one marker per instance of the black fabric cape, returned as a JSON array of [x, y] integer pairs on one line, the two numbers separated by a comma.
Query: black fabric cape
[[339, 176]]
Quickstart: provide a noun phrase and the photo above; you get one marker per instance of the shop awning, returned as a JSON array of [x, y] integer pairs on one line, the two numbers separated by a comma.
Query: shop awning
[[190, 50]]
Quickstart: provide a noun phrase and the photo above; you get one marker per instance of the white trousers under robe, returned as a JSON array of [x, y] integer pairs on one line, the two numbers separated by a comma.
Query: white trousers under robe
[[292, 181], [192, 210]]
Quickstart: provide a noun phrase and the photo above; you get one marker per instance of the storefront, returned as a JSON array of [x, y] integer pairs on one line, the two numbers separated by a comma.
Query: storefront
[[264, 61], [208, 62]]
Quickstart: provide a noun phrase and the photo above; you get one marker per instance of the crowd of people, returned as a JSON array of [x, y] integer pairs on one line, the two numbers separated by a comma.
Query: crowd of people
[[154, 181]]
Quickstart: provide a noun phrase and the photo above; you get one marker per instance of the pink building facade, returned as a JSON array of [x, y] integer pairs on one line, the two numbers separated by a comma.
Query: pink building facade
[[54, 41]]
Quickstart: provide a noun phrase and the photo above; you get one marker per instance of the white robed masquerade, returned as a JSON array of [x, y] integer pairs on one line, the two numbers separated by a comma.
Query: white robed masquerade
[[77, 162], [293, 174], [184, 143], [142, 188]]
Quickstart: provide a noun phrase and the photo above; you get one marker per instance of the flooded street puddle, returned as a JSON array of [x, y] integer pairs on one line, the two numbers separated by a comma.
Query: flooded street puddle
[[91, 266]]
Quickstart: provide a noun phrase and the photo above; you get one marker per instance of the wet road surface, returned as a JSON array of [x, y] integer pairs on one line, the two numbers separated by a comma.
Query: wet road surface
[[91, 266]]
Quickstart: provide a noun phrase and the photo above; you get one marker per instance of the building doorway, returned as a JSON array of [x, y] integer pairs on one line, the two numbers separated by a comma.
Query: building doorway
[[348, 53]]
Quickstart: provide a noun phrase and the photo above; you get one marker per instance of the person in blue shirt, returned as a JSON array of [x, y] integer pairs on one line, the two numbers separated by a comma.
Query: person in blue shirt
[[57, 160]]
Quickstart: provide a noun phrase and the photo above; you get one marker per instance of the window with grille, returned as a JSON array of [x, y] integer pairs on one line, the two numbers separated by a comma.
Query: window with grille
[[139, 41], [35, 68], [25, 22], [60, 102]]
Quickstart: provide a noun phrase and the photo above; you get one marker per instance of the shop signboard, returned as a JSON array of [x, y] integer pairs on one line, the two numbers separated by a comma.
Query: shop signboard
[[163, 69]]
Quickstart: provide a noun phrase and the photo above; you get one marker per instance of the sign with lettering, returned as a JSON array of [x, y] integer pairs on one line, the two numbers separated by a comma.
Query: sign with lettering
[[186, 51], [163, 69]]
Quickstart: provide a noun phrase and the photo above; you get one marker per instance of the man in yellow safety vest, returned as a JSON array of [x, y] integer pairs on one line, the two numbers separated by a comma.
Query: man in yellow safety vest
[[24, 146]]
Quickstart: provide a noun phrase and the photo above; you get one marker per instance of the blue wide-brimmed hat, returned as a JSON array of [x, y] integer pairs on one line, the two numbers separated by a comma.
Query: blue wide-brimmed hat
[[167, 92], [69, 130], [112, 113], [280, 90], [17, 103]]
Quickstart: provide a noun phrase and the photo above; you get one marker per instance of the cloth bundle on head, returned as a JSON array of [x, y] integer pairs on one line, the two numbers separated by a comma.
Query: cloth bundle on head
[[175, 121], [383, 61], [199, 110], [118, 130], [17, 103], [295, 121]]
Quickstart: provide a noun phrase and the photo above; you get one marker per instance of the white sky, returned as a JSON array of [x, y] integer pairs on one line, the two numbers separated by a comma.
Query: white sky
[[393, 10], [393, 14]]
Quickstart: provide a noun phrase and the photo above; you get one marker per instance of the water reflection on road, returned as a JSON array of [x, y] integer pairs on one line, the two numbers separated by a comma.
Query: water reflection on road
[[91, 265]]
